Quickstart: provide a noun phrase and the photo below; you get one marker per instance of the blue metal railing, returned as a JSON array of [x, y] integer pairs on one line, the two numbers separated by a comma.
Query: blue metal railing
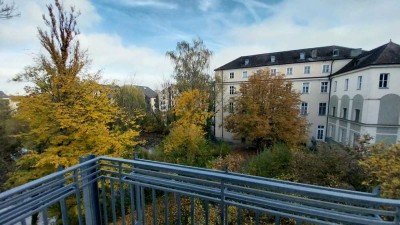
[[106, 190]]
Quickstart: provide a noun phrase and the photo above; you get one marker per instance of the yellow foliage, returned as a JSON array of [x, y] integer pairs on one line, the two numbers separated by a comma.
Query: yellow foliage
[[383, 164]]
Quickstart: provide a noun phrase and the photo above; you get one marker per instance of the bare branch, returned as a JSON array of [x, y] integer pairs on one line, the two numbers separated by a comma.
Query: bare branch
[[8, 11]]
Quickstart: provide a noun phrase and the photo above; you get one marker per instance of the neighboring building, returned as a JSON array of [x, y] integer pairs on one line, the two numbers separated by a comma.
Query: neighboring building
[[166, 98], [12, 104], [365, 97], [320, 72], [150, 97]]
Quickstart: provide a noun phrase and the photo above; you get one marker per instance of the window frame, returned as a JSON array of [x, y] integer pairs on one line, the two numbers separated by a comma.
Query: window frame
[[303, 108], [345, 112], [291, 71], [328, 70], [243, 74], [307, 87], [232, 90], [335, 86], [307, 69], [230, 107], [383, 83], [320, 128], [357, 115], [359, 82], [231, 75], [326, 87], [346, 84], [273, 72], [322, 107]]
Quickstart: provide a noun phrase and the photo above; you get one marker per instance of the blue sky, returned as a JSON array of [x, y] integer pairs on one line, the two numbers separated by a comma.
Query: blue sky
[[127, 39]]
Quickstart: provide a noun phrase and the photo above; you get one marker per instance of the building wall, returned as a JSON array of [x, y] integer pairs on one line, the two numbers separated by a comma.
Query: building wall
[[379, 107], [298, 77]]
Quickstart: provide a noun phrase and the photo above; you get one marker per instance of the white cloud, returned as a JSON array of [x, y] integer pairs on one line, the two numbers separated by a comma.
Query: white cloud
[[148, 3]]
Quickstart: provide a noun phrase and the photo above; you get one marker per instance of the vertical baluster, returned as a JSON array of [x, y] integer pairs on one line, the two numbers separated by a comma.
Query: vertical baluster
[[45, 217], [178, 202], [78, 197], [153, 195], [121, 194], [143, 207], [63, 203], [192, 209], [132, 204], [114, 214], [138, 208], [206, 211], [166, 207], [277, 220], [23, 222], [103, 193], [257, 217], [239, 215]]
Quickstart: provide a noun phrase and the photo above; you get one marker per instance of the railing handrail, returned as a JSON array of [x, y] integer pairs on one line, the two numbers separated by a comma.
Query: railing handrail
[[332, 192]]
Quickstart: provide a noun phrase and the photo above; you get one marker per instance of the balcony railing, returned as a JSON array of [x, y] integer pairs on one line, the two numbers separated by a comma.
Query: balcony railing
[[107, 190]]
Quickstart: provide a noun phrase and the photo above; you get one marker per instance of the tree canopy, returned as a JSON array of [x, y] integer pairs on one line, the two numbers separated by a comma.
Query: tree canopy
[[68, 112], [8, 11], [267, 110], [191, 64]]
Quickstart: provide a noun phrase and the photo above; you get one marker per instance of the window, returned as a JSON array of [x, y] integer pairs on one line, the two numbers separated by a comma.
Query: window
[[383, 80], [346, 84], [244, 74], [335, 86], [322, 109], [231, 75], [357, 115], [231, 90], [304, 108], [324, 87], [306, 88], [325, 69], [231, 107], [289, 71], [333, 111], [320, 132], [343, 135], [359, 82], [344, 113], [302, 55], [335, 52], [307, 70], [273, 58], [246, 62], [273, 72]]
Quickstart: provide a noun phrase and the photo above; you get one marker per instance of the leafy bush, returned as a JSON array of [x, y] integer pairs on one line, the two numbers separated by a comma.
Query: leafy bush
[[272, 162]]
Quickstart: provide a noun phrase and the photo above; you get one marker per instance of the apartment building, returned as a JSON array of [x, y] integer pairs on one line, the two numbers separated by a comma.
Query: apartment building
[[313, 72], [365, 97]]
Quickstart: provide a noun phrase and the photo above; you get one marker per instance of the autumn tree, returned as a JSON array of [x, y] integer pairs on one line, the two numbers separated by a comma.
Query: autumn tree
[[191, 63], [382, 163], [68, 112], [267, 111], [8, 11], [131, 99]]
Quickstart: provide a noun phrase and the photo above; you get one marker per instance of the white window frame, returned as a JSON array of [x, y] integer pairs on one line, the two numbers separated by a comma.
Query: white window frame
[[320, 130], [244, 74], [326, 68], [230, 107], [289, 71], [304, 108], [346, 84], [306, 88], [231, 75], [273, 58], [324, 88], [320, 106], [359, 82], [307, 69], [335, 86], [302, 55], [384, 80], [344, 112], [231, 90], [359, 115], [273, 72]]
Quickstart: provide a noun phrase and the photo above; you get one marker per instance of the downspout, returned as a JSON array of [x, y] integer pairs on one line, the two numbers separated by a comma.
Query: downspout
[[329, 98]]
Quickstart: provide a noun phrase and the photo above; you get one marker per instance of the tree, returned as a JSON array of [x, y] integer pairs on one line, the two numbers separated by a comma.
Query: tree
[[132, 100], [68, 112], [191, 64], [8, 11], [266, 111], [382, 163]]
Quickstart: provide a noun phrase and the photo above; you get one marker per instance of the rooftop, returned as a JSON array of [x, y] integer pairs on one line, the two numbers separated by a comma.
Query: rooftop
[[148, 92], [325, 53]]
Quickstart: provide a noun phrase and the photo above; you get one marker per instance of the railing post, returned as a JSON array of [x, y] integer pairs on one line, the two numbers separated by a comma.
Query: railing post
[[63, 202], [90, 192]]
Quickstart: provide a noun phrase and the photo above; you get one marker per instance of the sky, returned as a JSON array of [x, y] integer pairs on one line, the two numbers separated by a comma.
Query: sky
[[127, 40]]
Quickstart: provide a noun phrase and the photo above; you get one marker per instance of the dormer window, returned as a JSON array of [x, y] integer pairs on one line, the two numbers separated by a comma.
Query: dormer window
[[273, 59], [246, 62], [335, 52], [314, 53], [302, 55]]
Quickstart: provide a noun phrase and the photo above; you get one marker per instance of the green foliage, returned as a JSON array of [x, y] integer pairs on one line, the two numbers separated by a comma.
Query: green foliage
[[233, 162], [131, 100], [382, 163], [273, 162], [191, 64], [330, 165]]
